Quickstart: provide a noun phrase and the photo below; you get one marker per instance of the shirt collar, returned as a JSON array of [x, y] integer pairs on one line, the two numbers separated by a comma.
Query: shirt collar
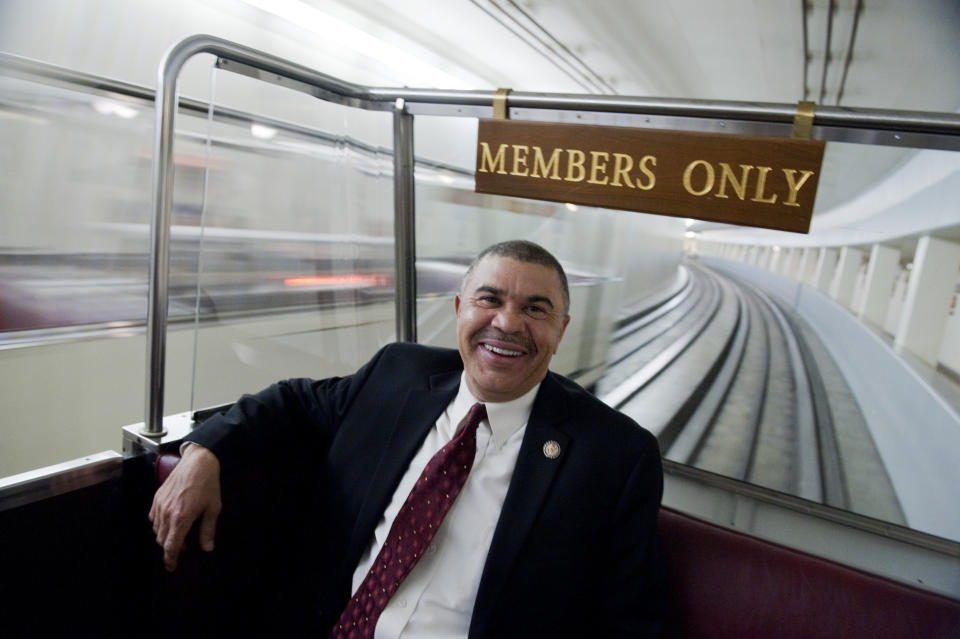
[[505, 418]]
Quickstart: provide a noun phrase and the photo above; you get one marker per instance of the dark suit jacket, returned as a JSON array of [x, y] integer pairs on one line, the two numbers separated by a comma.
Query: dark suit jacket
[[575, 552]]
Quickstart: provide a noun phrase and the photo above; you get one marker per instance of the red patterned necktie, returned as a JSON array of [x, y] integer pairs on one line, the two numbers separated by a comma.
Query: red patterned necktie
[[412, 530]]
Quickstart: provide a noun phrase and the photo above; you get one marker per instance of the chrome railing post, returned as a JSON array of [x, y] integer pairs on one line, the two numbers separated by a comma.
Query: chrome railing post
[[404, 223], [157, 307]]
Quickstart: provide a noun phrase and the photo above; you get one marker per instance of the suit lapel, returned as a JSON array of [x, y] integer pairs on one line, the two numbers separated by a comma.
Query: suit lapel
[[417, 415], [528, 489]]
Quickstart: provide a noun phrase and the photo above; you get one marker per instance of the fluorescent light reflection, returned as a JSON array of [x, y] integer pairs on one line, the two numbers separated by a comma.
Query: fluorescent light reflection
[[109, 107], [338, 281], [262, 131], [346, 37]]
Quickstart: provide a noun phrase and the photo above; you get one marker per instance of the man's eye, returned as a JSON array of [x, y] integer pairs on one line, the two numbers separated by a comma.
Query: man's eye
[[487, 300], [536, 311]]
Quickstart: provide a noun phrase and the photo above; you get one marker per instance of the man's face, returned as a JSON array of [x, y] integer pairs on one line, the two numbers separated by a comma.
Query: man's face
[[510, 318]]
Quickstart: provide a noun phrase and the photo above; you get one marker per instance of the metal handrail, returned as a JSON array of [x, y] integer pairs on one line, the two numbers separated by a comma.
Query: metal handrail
[[906, 121], [830, 122], [930, 130]]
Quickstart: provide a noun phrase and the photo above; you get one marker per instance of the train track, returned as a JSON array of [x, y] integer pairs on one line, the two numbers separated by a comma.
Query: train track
[[731, 381]]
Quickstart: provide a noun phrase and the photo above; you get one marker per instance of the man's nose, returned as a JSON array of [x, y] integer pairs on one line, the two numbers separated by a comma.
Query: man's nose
[[508, 319]]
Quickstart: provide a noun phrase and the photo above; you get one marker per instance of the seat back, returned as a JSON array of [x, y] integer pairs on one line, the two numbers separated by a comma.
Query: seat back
[[730, 585]]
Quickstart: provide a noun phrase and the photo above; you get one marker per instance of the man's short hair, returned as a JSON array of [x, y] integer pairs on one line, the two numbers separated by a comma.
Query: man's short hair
[[525, 251]]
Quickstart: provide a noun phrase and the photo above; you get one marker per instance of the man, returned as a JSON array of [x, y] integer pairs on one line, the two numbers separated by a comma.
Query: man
[[554, 531]]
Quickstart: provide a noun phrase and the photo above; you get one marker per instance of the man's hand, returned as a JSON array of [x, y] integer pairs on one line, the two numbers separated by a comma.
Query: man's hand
[[191, 492]]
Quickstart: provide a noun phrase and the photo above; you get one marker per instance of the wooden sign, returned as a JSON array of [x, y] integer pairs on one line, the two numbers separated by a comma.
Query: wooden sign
[[751, 181]]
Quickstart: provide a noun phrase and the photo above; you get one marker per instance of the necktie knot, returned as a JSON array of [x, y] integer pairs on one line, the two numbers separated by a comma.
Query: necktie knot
[[476, 414]]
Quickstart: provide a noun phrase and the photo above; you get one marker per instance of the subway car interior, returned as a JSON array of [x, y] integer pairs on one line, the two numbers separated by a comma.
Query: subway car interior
[[201, 197]]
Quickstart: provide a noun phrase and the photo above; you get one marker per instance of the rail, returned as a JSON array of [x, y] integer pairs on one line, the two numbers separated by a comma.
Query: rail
[[650, 315], [832, 473], [691, 439], [800, 454], [809, 478], [677, 339]]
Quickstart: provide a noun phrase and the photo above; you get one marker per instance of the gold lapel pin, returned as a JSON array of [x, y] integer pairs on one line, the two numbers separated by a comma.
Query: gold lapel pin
[[551, 449]]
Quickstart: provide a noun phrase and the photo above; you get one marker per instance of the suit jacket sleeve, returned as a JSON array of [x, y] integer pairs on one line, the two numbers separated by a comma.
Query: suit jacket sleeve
[[301, 414]]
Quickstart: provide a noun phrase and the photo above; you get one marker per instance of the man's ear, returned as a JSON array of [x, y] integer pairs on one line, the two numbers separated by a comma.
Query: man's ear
[[456, 305]]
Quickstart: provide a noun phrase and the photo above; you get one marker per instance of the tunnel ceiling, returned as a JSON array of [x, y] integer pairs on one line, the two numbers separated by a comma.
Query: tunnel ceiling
[[887, 55]]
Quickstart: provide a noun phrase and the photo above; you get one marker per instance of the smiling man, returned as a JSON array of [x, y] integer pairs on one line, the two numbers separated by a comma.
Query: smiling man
[[468, 493], [512, 310]]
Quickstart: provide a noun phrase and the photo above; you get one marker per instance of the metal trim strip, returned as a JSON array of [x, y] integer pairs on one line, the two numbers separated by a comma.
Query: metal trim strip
[[50, 481]]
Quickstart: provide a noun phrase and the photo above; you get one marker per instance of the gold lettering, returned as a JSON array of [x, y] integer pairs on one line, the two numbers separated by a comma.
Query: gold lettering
[[495, 164], [598, 164], [578, 164], [647, 159], [622, 163], [740, 188], [708, 185], [761, 185], [520, 159], [795, 185], [552, 167]]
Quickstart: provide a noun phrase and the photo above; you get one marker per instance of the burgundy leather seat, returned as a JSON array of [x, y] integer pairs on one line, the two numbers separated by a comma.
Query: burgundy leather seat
[[164, 466], [729, 585]]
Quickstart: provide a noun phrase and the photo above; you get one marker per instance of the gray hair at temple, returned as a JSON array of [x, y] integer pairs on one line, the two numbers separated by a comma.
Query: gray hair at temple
[[524, 251]]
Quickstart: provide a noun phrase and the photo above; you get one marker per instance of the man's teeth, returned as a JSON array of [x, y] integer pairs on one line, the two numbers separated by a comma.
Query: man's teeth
[[503, 351]]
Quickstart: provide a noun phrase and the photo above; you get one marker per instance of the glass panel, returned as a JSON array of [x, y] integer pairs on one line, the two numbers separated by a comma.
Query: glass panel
[[306, 193], [863, 414], [74, 196], [74, 165], [296, 261], [738, 367]]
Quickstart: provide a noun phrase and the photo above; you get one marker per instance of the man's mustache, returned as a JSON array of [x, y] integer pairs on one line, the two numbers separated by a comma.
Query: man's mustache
[[492, 333]]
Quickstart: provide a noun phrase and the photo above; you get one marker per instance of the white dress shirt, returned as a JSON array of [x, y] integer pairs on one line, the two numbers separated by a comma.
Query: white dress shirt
[[436, 599]]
